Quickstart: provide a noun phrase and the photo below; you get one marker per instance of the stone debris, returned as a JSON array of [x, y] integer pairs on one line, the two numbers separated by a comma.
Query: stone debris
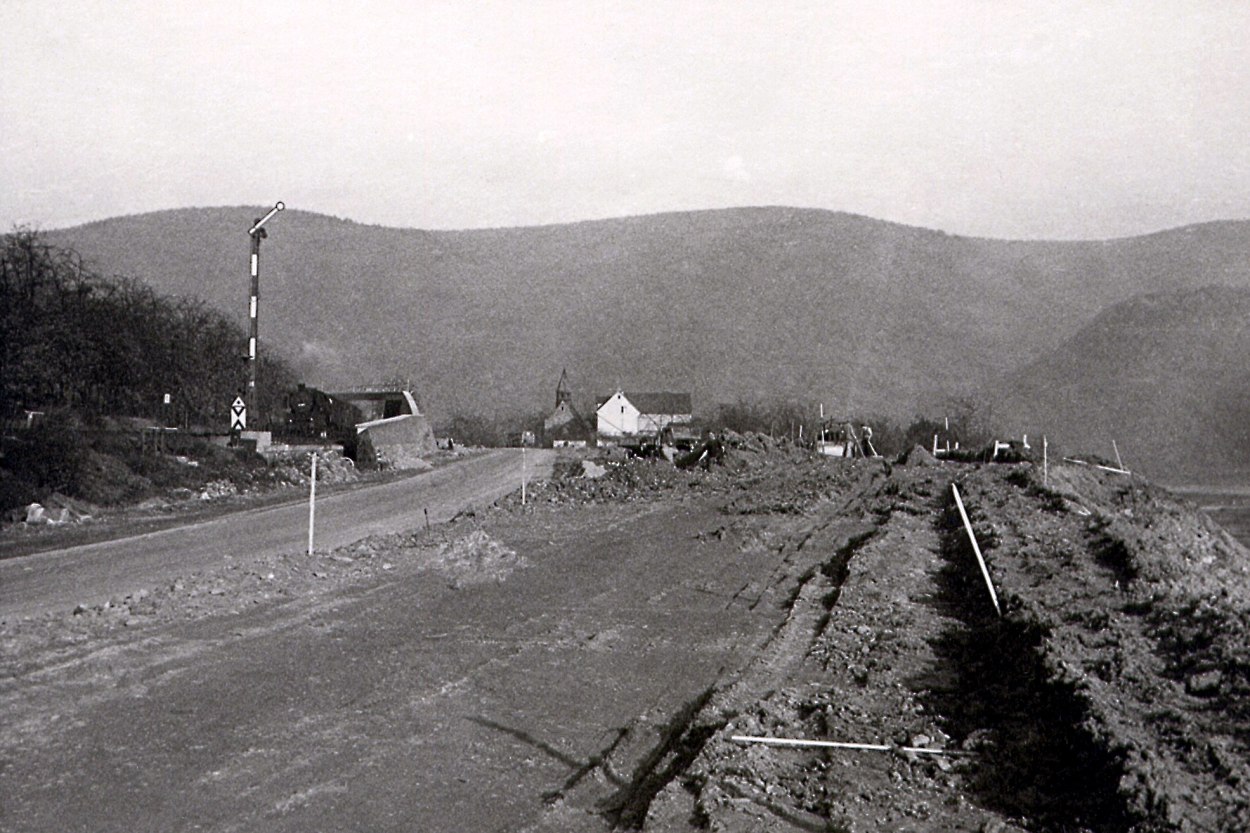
[[475, 558], [217, 489], [39, 515]]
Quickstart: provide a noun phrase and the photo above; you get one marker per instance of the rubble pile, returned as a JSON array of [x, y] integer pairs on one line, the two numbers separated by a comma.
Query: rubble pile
[[1129, 609], [626, 480], [332, 467], [218, 489], [474, 558], [762, 475], [1111, 694], [57, 509]]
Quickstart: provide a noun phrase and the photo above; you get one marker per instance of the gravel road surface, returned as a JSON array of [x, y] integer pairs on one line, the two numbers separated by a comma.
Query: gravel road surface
[[88, 574]]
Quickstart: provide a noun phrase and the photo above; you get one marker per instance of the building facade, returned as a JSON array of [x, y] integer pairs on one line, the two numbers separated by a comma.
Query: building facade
[[642, 414]]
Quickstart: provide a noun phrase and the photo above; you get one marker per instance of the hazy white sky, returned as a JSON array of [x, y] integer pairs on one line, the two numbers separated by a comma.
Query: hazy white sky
[[1001, 119]]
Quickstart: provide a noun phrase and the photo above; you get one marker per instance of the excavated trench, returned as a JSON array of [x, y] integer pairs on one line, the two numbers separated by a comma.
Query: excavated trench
[[1050, 718], [891, 636], [1040, 759]]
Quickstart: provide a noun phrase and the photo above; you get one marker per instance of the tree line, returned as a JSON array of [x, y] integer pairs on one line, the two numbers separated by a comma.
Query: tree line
[[73, 339]]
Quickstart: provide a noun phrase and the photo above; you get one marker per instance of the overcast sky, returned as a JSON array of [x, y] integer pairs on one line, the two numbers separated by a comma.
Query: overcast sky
[[998, 119]]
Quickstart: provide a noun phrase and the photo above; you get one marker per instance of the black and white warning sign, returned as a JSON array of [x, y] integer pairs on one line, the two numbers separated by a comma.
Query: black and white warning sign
[[238, 414]]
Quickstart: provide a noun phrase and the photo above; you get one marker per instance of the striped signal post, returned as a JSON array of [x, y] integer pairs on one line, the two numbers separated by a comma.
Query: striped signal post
[[257, 234]]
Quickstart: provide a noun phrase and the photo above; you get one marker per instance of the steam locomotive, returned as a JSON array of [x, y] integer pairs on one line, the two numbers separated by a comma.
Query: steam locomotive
[[316, 415]]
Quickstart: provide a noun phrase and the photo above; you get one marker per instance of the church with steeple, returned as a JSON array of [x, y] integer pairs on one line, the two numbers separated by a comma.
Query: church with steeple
[[564, 427]]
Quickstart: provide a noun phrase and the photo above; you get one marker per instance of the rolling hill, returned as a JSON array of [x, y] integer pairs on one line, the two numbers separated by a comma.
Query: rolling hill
[[1165, 375], [866, 315]]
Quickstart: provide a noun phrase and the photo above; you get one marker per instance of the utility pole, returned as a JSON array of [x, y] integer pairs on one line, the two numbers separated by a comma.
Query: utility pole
[[257, 234]]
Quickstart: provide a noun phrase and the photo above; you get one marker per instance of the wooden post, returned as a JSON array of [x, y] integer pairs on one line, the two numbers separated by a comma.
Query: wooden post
[[976, 549], [312, 503]]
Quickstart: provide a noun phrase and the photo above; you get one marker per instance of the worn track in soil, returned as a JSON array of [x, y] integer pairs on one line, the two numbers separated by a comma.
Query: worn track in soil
[[594, 681], [1084, 707]]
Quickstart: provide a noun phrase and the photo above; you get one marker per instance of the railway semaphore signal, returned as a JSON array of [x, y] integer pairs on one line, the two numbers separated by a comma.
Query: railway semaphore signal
[[257, 234]]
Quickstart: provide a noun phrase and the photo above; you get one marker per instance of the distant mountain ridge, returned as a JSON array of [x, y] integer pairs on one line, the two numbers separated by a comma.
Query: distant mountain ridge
[[862, 314], [1165, 375]]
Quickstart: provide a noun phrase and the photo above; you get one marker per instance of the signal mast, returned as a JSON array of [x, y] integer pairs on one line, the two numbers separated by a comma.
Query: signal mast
[[257, 234]]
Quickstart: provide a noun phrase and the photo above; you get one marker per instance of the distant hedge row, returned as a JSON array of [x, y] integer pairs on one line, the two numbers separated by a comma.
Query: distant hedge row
[[71, 338]]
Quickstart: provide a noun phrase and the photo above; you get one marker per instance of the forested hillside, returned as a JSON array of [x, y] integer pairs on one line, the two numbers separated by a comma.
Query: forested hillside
[[85, 365], [72, 338], [750, 305]]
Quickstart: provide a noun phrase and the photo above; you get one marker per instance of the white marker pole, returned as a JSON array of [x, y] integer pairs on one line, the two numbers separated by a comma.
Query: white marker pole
[[522, 473], [1118, 461], [837, 744], [312, 503], [985, 571], [1045, 463]]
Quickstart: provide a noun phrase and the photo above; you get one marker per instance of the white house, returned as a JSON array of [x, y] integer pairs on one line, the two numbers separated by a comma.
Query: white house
[[632, 414]]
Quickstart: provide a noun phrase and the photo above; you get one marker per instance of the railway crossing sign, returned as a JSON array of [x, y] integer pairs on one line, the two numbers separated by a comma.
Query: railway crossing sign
[[238, 414]]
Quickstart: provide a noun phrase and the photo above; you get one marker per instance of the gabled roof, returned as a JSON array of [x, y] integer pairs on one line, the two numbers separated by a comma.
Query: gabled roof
[[563, 413], [657, 403]]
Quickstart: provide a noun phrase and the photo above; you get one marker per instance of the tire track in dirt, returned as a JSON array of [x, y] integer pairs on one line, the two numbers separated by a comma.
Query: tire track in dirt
[[1092, 703], [374, 698], [666, 757], [863, 656]]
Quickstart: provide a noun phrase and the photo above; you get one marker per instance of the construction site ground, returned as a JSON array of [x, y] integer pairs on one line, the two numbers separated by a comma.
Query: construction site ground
[[585, 662]]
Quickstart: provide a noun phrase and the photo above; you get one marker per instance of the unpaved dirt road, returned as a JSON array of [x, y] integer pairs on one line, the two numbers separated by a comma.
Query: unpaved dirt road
[[425, 697], [87, 574], [590, 661]]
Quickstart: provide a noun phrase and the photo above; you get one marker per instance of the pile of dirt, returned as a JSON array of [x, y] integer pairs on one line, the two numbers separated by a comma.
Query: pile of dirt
[[474, 558], [629, 479], [1128, 610], [760, 475], [918, 456], [1110, 694], [754, 449]]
